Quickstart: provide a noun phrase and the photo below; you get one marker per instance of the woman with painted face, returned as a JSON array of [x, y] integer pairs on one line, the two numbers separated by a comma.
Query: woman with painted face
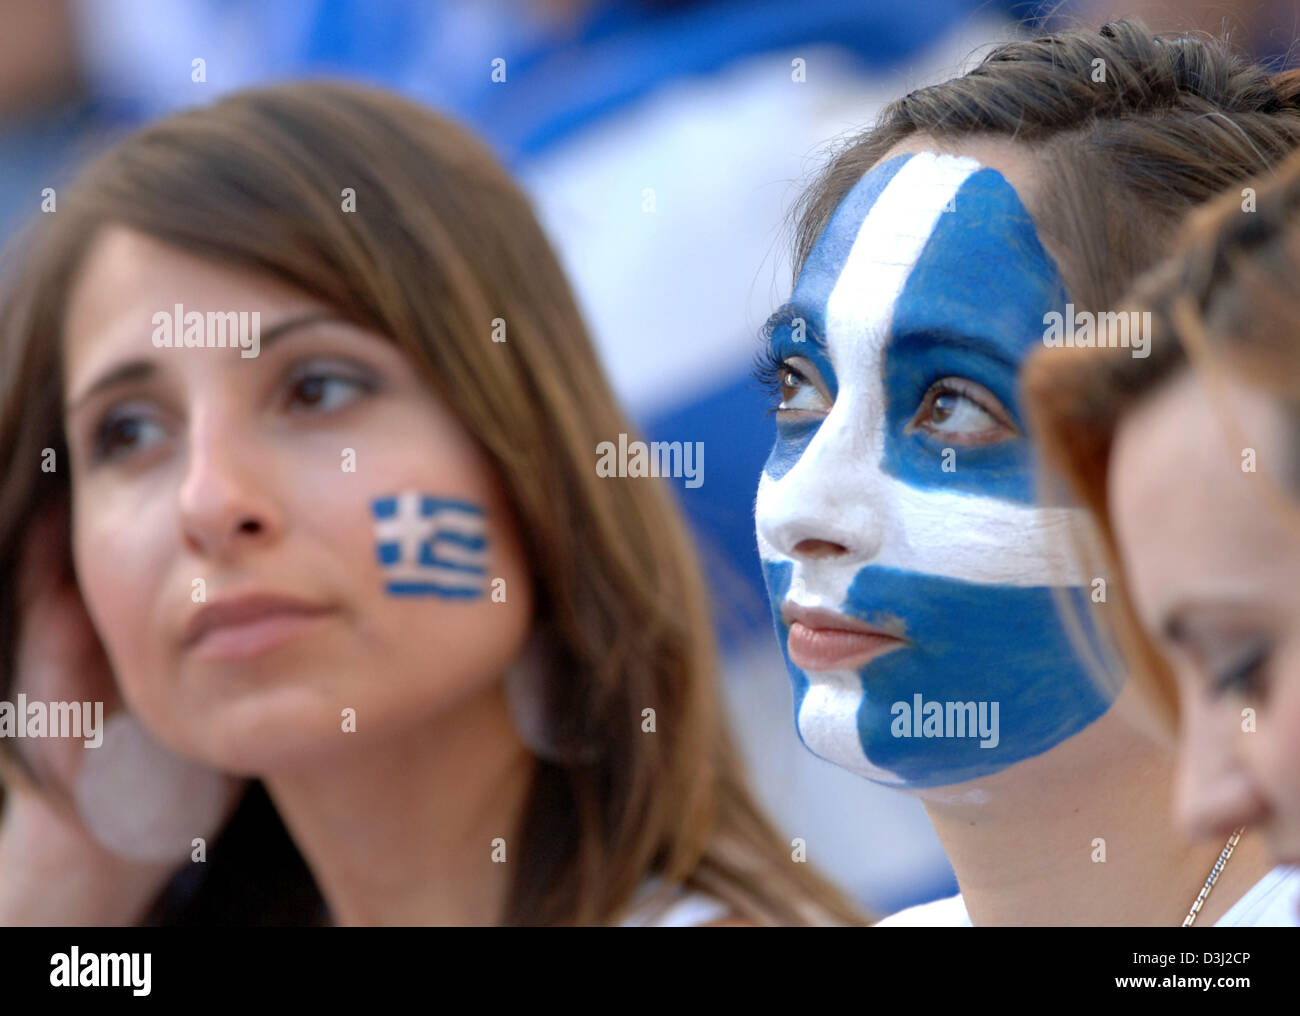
[[911, 567], [298, 431], [1188, 460]]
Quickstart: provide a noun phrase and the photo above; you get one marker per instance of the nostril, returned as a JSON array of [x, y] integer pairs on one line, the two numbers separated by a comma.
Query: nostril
[[819, 548]]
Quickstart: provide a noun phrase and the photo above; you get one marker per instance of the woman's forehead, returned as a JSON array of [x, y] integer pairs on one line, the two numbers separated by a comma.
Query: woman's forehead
[[1015, 161], [928, 243]]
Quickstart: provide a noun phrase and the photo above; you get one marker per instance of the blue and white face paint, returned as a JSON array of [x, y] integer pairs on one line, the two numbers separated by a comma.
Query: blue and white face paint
[[900, 491], [430, 546]]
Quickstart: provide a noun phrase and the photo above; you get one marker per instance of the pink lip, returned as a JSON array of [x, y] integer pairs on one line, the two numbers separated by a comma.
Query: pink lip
[[826, 640], [246, 626]]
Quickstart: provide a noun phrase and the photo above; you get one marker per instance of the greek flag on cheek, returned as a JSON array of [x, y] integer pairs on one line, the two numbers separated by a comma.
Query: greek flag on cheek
[[930, 269], [430, 546]]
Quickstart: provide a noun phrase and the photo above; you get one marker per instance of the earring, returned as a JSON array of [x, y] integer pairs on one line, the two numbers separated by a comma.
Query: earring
[[144, 802], [530, 690]]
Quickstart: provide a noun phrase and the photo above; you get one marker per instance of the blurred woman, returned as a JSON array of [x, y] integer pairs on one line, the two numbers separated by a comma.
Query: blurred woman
[[1190, 463], [359, 555]]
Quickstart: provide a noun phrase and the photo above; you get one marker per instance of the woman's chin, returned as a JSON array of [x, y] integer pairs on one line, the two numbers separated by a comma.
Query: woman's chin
[[256, 739]]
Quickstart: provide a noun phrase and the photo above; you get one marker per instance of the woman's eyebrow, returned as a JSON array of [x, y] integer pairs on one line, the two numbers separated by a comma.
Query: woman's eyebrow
[[973, 341], [1185, 620], [786, 315], [141, 369]]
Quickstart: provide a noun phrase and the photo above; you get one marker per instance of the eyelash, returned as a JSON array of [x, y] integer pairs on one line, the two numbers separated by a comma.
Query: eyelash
[[934, 389], [363, 382], [768, 368], [360, 380], [1245, 674]]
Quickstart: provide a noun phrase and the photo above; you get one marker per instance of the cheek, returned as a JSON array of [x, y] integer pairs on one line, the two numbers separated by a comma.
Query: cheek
[[765, 515], [788, 448], [1278, 747], [440, 567], [120, 547]]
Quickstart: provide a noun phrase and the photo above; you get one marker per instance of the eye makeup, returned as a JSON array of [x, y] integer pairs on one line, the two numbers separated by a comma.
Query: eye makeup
[[311, 386], [1243, 673], [783, 380], [961, 411], [310, 378]]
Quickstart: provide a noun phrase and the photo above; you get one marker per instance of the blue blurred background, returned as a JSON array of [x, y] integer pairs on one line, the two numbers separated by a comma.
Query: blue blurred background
[[663, 143]]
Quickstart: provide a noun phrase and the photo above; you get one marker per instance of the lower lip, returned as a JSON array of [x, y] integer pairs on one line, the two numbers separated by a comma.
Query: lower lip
[[835, 648], [252, 638]]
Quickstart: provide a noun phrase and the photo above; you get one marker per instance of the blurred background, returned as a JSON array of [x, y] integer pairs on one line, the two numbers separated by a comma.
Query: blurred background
[[663, 143]]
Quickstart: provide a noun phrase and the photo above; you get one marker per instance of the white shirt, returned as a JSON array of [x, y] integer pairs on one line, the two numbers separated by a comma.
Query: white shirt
[[1272, 902], [689, 910]]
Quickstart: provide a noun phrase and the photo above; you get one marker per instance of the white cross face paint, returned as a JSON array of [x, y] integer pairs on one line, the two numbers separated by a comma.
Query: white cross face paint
[[898, 501]]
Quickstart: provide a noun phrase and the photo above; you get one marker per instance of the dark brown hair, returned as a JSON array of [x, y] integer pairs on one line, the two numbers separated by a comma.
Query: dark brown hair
[[443, 242], [1128, 130]]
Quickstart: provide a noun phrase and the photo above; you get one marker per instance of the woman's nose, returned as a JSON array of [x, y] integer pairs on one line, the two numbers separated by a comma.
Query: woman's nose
[[224, 499], [830, 503]]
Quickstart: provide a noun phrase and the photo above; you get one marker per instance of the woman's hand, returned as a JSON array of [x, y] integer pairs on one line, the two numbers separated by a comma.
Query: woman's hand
[[53, 869]]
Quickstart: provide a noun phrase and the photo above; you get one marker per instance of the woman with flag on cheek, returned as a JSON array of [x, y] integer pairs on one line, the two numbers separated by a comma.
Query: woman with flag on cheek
[[371, 570]]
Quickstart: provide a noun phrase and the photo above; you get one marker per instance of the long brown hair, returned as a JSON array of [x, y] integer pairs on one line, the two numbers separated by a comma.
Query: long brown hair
[[1226, 299], [442, 243]]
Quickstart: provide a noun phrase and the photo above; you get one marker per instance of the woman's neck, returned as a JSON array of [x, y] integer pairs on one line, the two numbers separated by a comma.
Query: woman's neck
[[1028, 844], [400, 830]]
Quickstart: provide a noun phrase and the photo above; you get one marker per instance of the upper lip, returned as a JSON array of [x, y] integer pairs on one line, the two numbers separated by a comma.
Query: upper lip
[[241, 609], [819, 617]]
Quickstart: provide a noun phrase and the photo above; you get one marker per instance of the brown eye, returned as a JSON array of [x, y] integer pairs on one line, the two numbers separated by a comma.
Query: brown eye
[[800, 387], [944, 405], [123, 434], [963, 412], [790, 382], [322, 388], [310, 390]]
